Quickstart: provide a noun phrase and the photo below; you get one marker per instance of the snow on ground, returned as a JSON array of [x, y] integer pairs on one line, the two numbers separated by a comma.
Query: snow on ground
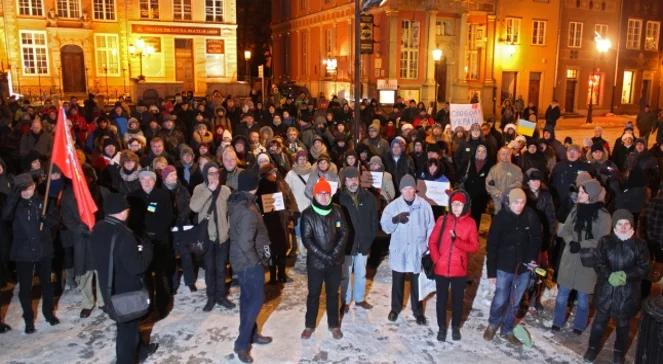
[[188, 335]]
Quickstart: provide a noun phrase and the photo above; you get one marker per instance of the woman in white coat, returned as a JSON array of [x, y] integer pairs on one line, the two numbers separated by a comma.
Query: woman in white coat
[[409, 220]]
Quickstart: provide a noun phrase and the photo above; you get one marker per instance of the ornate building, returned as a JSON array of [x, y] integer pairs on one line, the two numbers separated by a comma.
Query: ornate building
[[115, 47]]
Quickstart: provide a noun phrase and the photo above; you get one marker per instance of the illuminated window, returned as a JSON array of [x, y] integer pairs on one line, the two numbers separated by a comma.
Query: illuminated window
[[601, 29], [149, 9], [182, 9], [538, 32], [69, 9], [594, 89], [651, 35], [572, 73], [34, 52], [104, 9], [575, 35], [627, 87], [474, 43], [31, 7], [512, 30], [633, 33], [214, 10], [107, 56], [409, 66]]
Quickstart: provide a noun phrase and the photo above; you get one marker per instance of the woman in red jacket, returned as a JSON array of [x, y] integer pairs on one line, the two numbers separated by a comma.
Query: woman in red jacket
[[455, 236]]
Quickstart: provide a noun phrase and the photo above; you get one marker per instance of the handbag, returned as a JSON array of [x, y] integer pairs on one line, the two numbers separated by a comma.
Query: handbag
[[656, 271], [128, 306], [426, 260], [196, 239]]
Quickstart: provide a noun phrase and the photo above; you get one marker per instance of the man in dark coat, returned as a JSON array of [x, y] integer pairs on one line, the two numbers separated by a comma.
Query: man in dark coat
[[150, 218], [398, 163], [360, 209], [553, 114], [621, 263], [324, 234], [646, 123], [563, 177], [32, 246], [130, 262], [249, 252], [514, 240]]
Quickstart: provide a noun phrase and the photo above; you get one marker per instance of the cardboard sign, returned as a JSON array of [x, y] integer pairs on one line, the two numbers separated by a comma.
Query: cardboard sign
[[525, 128], [272, 202], [465, 115], [434, 192], [334, 187], [377, 179]]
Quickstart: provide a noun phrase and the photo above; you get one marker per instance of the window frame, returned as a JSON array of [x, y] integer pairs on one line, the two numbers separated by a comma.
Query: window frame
[[108, 51], [32, 7], [104, 10], [601, 29], [574, 38], [182, 14], [658, 35], [409, 50], [633, 40], [214, 12], [68, 10], [512, 27], [149, 6], [535, 36], [33, 46]]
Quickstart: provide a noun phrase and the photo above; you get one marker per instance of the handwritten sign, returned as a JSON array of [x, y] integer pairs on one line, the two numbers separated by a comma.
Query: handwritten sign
[[525, 127], [334, 187], [377, 179], [465, 115], [272, 202], [434, 192]]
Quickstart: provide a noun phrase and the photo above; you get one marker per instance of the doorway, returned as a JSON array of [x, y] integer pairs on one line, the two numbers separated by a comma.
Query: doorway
[[184, 68], [534, 88], [645, 92], [441, 80], [73, 66], [509, 83], [569, 101]]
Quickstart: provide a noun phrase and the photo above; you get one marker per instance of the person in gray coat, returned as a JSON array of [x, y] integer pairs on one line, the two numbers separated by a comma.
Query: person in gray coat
[[249, 252], [409, 220]]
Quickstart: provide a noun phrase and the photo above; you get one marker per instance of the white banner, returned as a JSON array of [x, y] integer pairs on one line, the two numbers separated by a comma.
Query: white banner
[[465, 115]]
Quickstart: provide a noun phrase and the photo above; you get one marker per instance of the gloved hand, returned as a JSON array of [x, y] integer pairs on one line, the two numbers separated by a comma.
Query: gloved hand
[[617, 279], [401, 218], [574, 247]]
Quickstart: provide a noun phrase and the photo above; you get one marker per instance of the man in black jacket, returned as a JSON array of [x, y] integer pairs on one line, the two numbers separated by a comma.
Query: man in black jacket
[[398, 163], [360, 209], [130, 261], [249, 250], [563, 177], [514, 240], [150, 218], [324, 233]]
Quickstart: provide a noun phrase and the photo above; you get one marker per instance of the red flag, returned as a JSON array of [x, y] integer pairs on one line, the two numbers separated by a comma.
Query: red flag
[[64, 156]]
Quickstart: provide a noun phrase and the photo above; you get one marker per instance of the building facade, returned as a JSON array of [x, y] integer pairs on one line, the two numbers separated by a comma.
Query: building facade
[[116, 47]]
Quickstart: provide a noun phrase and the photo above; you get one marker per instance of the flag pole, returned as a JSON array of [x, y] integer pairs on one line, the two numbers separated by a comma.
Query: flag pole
[[48, 180]]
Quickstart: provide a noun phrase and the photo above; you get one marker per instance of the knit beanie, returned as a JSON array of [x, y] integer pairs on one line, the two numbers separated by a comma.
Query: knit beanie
[[322, 186], [621, 214], [407, 181], [516, 194], [247, 180], [167, 170], [593, 189]]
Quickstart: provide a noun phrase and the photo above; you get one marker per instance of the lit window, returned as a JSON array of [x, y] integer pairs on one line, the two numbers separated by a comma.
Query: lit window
[[69, 9], [104, 9], [474, 42], [538, 32], [575, 35], [149, 9], [572, 73], [594, 89], [627, 87], [107, 55], [633, 33], [409, 65], [34, 52], [601, 29], [31, 7], [182, 9], [214, 10], [513, 30], [651, 35]]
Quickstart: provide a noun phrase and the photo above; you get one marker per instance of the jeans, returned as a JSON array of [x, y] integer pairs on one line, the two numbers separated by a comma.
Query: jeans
[[24, 273], [215, 270], [509, 289], [84, 282], [442, 295], [331, 276], [251, 298], [357, 288], [397, 292], [582, 311]]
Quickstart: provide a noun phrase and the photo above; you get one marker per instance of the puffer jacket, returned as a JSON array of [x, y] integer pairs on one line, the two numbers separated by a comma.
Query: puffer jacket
[[613, 255], [450, 255], [248, 234], [324, 237], [30, 244]]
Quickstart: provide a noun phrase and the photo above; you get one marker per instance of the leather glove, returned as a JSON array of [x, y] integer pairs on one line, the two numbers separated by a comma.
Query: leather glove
[[401, 218], [574, 247], [617, 279]]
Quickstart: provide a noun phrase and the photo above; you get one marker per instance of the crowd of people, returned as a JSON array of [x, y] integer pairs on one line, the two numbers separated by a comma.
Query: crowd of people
[[285, 176]]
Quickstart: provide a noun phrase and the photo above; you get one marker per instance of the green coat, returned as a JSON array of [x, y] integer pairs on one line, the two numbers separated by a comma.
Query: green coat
[[572, 274]]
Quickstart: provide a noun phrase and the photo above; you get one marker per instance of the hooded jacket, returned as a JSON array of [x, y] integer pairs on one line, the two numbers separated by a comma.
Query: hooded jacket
[[450, 254], [248, 234]]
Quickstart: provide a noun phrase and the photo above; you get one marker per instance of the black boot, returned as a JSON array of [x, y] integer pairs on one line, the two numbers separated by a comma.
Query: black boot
[[209, 305], [4, 327], [442, 334], [590, 355], [618, 357], [455, 333], [29, 327]]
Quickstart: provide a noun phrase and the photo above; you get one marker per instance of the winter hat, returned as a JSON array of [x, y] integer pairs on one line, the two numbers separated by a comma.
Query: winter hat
[[23, 181], [147, 173], [516, 194], [593, 189], [458, 197], [263, 157], [350, 172], [533, 174], [115, 203], [640, 140], [582, 178], [185, 149], [405, 128], [510, 126], [167, 170], [376, 160], [301, 153], [109, 141], [407, 181], [621, 214], [323, 157], [521, 138], [267, 169], [322, 186], [596, 147], [627, 136], [247, 180], [400, 140]]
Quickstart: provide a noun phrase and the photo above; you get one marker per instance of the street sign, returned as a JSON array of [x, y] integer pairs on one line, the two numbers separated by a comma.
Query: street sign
[[384, 84], [366, 33]]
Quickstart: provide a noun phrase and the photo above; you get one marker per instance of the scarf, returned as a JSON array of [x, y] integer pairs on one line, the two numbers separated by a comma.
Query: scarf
[[317, 152], [624, 237], [586, 213], [129, 176], [306, 169], [321, 210], [479, 164], [170, 187]]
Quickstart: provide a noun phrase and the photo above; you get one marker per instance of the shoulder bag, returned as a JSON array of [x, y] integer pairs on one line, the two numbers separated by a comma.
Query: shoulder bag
[[128, 306], [196, 239], [426, 260]]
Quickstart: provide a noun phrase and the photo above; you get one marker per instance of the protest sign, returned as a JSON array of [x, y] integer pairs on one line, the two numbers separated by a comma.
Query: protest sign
[[272, 202], [465, 115], [377, 179], [525, 128], [334, 187], [434, 192]]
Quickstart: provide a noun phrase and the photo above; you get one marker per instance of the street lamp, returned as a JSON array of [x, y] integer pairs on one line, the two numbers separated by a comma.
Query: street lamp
[[247, 58], [437, 57], [140, 50], [602, 46]]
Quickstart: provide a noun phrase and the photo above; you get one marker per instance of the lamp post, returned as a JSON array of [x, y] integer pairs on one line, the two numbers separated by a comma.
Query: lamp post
[[247, 58], [437, 57], [140, 49], [602, 46]]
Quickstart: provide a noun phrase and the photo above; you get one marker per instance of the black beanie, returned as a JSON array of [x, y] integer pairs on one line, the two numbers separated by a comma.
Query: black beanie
[[247, 180], [115, 203]]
